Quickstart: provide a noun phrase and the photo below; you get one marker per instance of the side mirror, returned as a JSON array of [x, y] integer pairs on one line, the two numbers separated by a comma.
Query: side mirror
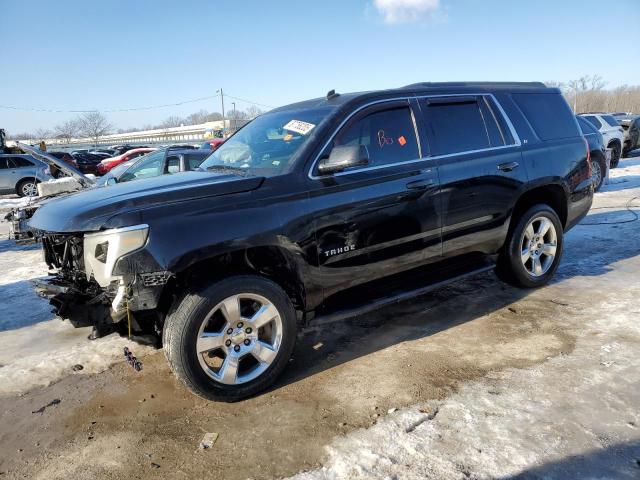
[[343, 157], [111, 181]]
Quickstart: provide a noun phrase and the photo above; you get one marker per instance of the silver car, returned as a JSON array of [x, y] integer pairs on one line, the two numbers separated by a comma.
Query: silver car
[[21, 173]]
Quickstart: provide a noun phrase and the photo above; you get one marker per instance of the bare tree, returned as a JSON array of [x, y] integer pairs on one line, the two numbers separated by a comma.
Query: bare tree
[[41, 134], [94, 125], [252, 112], [67, 130], [21, 136], [173, 121]]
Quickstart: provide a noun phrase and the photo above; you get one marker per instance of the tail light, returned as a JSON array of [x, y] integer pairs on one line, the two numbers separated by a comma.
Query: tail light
[[586, 144]]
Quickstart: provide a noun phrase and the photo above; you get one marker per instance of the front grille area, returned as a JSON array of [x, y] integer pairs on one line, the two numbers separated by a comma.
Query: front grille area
[[63, 252]]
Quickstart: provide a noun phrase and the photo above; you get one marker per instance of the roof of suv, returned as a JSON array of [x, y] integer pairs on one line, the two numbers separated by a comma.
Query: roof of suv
[[338, 99]]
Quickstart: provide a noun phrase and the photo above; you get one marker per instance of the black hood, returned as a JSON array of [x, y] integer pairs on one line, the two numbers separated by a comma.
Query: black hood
[[89, 210]]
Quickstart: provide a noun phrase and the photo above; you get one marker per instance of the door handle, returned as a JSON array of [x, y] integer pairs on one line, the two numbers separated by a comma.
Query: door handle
[[508, 167], [421, 184]]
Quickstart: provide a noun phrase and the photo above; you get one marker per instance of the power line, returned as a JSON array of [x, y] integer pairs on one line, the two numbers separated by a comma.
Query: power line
[[131, 109]]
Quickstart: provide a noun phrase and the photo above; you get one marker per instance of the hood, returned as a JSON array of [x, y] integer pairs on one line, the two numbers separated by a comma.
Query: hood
[[91, 209], [63, 166]]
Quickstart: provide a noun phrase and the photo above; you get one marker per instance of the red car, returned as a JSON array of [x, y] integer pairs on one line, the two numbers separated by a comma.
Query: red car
[[212, 144], [108, 163]]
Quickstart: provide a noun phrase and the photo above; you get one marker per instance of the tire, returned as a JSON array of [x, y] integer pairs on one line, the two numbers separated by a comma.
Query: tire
[[27, 188], [207, 315], [510, 266], [615, 155], [598, 166]]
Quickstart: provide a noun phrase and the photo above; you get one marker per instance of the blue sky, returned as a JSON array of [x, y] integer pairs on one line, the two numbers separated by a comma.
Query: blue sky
[[72, 54]]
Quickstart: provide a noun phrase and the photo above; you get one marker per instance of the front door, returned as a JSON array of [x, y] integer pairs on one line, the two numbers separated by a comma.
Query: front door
[[383, 218]]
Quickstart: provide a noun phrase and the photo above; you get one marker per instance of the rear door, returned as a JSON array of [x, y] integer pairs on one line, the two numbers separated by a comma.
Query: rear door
[[4, 174], [374, 221], [480, 170], [19, 168]]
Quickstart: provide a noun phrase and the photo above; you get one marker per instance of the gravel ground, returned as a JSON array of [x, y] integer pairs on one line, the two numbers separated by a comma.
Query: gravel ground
[[476, 380]]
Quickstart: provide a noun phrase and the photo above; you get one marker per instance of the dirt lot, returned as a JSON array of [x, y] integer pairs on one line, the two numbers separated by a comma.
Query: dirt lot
[[475, 380]]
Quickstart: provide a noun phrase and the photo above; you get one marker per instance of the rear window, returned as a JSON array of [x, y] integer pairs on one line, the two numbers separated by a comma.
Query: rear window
[[592, 120], [548, 113], [611, 120], [585, 126]]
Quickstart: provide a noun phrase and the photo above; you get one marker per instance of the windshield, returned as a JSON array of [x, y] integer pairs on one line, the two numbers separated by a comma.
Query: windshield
[[267, 145]]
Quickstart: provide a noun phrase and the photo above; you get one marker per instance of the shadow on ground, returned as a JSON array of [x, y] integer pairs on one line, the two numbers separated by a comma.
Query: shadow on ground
[[621, 461]]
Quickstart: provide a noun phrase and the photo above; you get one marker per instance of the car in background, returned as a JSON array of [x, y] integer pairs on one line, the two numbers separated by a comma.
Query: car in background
[[160, 162], [86, 162], [108, 163], [597, 151], [120, 149], [211, 144], [65, 157], [612, 133], [21, 174], [631, 126]]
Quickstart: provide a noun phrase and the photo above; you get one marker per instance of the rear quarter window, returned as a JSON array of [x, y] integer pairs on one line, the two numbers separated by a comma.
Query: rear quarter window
[[19, 162], [611, 120], [548, 113]]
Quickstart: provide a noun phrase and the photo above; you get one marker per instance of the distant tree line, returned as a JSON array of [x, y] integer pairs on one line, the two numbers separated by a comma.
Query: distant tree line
[[588, 94], [95, 125]]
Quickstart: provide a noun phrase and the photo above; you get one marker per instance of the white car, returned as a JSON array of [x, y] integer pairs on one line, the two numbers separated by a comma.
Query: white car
[[612, 133]]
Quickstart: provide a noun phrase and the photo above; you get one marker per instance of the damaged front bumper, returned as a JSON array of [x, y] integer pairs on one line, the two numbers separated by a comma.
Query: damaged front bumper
[[88, 285]]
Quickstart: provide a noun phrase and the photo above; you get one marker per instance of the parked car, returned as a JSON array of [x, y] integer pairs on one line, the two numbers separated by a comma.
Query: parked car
[[160, 162], [316, 212], [65, 157], [597, 151], [108, 163], [120, 149], [631, 126], [612, 133], [211, 144], [21, 174], [86, 162]]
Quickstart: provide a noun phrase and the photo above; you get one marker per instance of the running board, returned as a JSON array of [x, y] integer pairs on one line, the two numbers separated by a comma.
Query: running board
[[378, 303]]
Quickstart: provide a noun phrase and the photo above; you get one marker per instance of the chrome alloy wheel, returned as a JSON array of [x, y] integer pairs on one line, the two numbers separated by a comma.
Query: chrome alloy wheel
[[538, 246], [596, 174], [239, 339], [29, 189]]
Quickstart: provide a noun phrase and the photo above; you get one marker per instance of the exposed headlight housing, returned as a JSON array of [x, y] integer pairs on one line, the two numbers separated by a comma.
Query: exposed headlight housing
[[103, 249]]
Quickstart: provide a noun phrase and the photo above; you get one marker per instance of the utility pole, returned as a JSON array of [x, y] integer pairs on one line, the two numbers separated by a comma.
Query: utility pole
[[235, 117], [222, 101]]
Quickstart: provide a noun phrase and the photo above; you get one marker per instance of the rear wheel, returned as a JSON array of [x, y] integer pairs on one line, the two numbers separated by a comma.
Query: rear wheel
[[533, 249], [615, 155], [598, 167], [231, 339], [27, 188]]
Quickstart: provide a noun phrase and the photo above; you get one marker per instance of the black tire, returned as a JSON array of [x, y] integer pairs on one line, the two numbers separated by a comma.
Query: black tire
[[615, 155], [601, 164], [23, 185], [186, 317], [510, 267]]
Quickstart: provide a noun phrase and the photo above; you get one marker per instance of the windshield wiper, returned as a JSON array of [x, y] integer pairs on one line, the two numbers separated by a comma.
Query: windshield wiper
[[228, 169]]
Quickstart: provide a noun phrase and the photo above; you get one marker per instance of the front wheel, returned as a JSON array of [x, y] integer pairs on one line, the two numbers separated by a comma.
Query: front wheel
[[598, 169], [533, 249], [27, 188], [231, 339]]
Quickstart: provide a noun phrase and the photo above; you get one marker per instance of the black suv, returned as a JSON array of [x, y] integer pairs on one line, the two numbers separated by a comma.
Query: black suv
[[316, 212]]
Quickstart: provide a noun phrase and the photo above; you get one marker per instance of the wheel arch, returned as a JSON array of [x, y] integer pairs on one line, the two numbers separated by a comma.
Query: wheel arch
[[553, 195], [270, 261]]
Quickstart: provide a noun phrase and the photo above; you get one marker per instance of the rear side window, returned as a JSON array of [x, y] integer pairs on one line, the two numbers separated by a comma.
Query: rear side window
[[548, 114], [611, 120], [457, 126], [389, 135], [585, 126], [19, 162], [593, 121]]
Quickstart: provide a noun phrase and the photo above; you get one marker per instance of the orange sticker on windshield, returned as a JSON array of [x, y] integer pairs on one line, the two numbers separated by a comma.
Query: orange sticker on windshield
[[287, 137], [402, 141]]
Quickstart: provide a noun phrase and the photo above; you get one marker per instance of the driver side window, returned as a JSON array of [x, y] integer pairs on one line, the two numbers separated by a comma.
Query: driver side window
[[388, 134]]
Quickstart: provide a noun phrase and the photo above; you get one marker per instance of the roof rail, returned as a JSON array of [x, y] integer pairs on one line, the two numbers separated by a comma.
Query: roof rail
[[477, 84]]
